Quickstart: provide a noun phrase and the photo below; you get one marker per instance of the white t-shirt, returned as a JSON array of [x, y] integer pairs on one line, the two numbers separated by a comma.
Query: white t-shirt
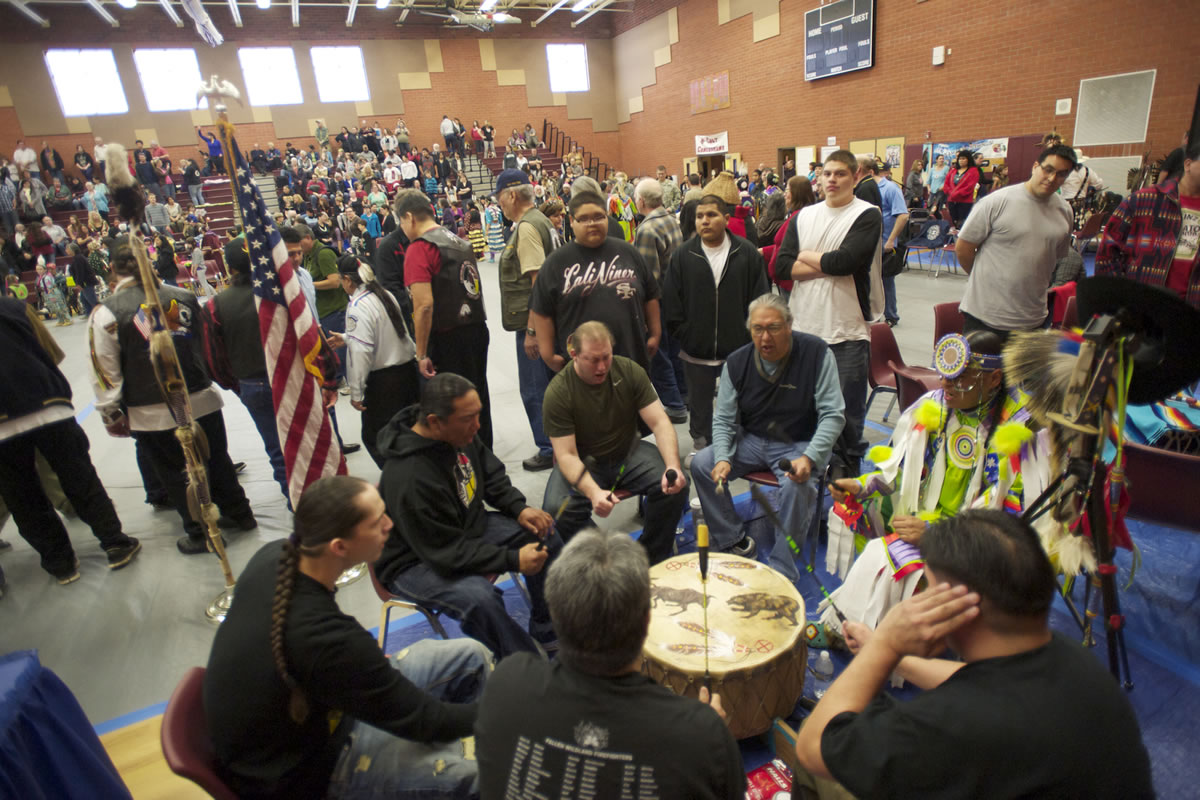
[[717, 256], [827, 307], [1019, 238]]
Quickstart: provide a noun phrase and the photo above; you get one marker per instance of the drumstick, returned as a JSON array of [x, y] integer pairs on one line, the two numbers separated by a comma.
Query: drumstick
[[671, 476], [761, 499], [702, 549], [785, 465]]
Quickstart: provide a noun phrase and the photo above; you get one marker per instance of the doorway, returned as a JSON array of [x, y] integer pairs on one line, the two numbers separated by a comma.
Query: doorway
[[709, 167]]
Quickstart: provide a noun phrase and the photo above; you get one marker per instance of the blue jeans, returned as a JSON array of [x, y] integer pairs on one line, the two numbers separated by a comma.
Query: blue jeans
[[853, 363], [890, 311], [533, 376], [643, 475], [336, 323], [255, 394], [752, 454], [87, 297], [666, 373], [375, 763], [196, 192], [477, 603]]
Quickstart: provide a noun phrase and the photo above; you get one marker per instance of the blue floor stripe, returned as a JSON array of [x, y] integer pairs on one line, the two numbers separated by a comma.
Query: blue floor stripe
[[131, 718], [875, 426], [88, 409]]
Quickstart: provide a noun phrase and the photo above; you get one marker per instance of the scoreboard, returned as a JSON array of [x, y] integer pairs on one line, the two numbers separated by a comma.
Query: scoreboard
[[838, 38]]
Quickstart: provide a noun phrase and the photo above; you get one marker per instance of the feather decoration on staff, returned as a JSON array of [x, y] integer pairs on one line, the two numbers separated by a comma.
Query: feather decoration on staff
[[204, 24]]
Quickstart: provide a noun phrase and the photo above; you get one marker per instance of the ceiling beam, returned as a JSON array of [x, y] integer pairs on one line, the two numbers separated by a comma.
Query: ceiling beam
[[233, 12], [166, 6], [19, 5], [100, 12], [549, 11], [588, 15]]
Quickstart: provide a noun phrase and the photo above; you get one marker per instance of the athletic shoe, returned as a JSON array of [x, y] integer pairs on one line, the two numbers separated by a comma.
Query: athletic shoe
[[68, 576], [190, 546], [678, 416], [746, 548], [122, 554], [239, 467], [246, 523], [538, 462]]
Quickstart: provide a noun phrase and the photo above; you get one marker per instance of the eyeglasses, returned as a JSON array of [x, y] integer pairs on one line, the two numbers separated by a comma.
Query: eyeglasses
[[1053, 173], [774, 329], [595, 219]]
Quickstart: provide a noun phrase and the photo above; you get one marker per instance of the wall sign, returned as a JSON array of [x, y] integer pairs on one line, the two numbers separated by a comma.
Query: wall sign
[[712, 145], [710, 93]]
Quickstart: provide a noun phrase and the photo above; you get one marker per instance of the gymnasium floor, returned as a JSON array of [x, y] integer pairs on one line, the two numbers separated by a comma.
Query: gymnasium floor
[[121, 640]]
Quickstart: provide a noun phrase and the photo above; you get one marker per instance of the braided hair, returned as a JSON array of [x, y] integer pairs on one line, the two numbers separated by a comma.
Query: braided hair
[[361, 274], [327, 510]]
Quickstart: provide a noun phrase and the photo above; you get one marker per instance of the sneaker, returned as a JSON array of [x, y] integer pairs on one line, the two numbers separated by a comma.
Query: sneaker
[[893, 323], [191, 546], [239, 467], [746, 548], [67, 576], [678, 416], [538, 462], [246, 523], [122, 554]]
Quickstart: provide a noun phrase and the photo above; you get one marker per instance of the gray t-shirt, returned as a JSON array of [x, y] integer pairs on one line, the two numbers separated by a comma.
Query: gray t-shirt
[[1020, 238]]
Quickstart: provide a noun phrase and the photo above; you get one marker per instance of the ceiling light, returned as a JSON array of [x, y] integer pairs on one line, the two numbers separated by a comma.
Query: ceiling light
[[263, 4], [382, 4], [581, 5], [127, 3]]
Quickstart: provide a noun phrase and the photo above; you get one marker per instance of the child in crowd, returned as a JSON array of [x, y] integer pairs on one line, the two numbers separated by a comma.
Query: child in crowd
[[14, 288], [494, 229], [475, 234], [53, 301]]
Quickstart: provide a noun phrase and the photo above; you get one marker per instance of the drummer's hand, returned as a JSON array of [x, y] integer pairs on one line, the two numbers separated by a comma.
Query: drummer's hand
[[842, 487], [714, 701], [532, 559], [677, 486], [910, 529], [535, 521], [602, 504], [802, 468], [856, 635], [721, 471]]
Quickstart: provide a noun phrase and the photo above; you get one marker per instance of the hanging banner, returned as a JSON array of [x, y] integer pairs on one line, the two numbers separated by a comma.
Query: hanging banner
[[712, 145]]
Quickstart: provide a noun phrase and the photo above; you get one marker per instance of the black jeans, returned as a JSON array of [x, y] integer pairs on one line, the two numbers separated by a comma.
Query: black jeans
[[463, 351], [854, 364], [701, 381], [65, 447], [166, 455], [388, 390]]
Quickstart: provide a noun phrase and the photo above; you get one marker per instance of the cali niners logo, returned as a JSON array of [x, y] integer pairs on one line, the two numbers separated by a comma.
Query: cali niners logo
[[586, 279]]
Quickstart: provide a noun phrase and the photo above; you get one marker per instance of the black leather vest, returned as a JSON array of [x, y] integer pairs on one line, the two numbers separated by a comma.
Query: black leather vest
[[243, 337], [457, 290], [140, 384]]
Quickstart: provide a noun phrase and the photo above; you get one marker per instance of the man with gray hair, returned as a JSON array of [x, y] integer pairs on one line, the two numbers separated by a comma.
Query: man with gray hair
[[531, 241], [656, 239], [783, 391], [591, 718]]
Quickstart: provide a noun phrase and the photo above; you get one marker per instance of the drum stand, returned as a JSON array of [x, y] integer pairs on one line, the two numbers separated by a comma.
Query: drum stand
[[1081, 486]]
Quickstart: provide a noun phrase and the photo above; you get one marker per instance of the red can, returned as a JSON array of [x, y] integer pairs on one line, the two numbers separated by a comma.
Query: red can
[[771, 781]]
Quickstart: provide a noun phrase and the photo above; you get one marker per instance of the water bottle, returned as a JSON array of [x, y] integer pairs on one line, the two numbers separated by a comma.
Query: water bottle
[[822, 672]]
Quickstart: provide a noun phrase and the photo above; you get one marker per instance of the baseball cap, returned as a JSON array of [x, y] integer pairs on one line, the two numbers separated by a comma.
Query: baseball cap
[[510, 178]]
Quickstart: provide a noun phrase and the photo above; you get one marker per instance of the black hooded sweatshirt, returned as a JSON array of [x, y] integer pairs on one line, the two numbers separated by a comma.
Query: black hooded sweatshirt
[[435, 496]]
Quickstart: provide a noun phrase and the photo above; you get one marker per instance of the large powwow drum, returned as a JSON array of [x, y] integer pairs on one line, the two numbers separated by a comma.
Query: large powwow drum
[[756, 650]]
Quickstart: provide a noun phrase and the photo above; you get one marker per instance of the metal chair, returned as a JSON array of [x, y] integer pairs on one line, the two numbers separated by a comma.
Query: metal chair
[[879, 375], [912, 382], [186, 745], [947, 318]]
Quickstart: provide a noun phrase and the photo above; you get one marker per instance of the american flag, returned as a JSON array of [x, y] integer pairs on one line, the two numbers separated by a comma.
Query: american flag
[[294, 348]]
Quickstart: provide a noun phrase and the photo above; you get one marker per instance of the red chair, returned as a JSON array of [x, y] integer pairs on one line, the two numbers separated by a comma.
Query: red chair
[[1158, 481], [947, 318], [186, 745], [1070, 314], [879, 375], [912, 382]]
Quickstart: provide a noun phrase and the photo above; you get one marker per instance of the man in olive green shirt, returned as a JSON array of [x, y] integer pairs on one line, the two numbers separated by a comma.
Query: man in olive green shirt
[[591, 413]]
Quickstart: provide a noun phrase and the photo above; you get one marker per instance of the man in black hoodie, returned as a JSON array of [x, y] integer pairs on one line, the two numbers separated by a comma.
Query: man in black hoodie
[[445, 545]]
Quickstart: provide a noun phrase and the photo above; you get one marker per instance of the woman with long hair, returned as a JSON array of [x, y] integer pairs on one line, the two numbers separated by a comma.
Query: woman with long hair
[[164, 259], [914, 185], [959, 187], [381, 366], [300, 700], [937, 181], [797, 194]]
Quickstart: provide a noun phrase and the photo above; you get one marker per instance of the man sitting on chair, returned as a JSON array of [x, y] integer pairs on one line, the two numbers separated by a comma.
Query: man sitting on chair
[[1025, 713], [782, 390], [301, 703], [437, 475], [591, 720], [591, 414]]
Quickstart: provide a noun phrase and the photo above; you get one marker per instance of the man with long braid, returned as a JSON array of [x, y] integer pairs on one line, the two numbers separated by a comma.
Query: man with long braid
[[969, 444], [300, 701]]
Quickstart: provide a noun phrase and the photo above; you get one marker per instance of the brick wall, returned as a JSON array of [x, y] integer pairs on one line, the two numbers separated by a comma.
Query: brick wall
[[1010, 62], [1008, 65]]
